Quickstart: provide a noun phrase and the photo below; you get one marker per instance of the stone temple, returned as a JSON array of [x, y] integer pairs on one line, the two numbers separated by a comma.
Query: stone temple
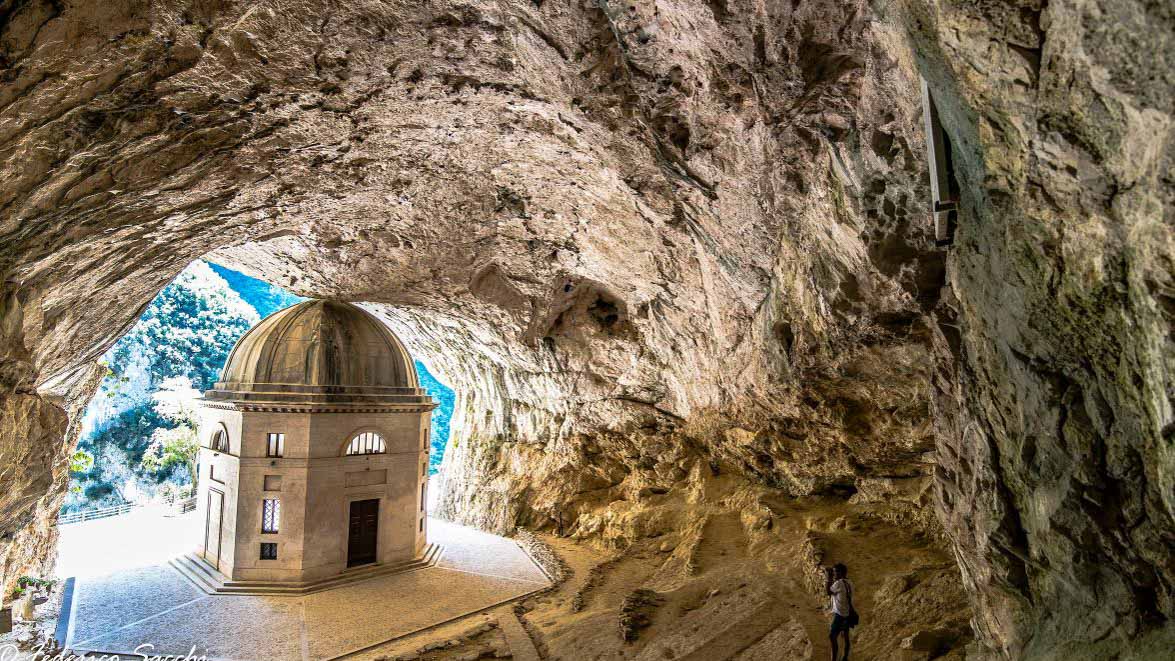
[[314, 456]]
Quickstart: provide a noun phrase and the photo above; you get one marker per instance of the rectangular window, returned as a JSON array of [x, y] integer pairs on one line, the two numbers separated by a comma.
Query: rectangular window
[[422, 524], [268, 551], [423, 470], [276, 445], [271, 514], [422, 488]]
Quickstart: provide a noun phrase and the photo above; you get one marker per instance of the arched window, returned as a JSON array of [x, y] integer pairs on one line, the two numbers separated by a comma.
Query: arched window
[[220, 441], [367, 442]]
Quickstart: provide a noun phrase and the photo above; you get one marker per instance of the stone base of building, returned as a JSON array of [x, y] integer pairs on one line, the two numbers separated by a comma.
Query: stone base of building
[[206, 578]]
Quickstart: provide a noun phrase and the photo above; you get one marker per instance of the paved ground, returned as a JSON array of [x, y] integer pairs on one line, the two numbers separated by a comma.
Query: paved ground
[[126, 596], [142, 538]]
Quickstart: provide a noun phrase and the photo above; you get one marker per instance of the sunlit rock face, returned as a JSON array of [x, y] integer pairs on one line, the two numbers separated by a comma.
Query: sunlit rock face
[[37, 436], [647, 239]]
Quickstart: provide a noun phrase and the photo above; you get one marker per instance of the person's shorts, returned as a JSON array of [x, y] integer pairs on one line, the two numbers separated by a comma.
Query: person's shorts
[[839, 623]]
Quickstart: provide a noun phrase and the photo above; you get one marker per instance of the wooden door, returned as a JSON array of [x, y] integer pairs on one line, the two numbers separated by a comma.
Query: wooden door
[[212, 524], [364, 531]]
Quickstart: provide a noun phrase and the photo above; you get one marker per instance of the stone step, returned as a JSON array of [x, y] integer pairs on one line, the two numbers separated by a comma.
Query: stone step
[[195, 573], [360, 572], [206, 570], [430, 556], [247, 587], [207, 579]]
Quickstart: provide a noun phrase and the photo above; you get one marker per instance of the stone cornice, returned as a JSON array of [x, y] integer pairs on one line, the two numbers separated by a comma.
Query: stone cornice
[[287, 407]]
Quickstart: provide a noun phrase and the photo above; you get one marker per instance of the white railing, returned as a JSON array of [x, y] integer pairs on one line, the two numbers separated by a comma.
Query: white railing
[[172, 503], [90, 515], [184, 505]]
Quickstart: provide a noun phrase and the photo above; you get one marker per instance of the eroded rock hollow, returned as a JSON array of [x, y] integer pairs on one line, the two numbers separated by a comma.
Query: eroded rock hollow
[[674, 257]]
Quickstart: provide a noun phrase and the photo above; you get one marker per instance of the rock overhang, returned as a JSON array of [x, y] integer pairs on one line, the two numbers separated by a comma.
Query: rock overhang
[[738, 180]]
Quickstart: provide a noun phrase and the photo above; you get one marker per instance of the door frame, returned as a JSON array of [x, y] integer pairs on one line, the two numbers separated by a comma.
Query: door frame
[[219, 529], [351, 500]]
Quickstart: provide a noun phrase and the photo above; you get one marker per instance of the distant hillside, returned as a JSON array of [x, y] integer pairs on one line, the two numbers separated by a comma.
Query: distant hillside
[[264, 297], [441, 415]]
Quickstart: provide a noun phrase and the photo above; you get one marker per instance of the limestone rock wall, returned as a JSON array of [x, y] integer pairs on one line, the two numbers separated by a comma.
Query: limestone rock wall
[[1054, 412], [37, 437], [640, 238]]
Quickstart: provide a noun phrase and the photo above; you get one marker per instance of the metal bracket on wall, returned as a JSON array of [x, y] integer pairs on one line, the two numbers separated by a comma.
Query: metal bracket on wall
[[944, 188]]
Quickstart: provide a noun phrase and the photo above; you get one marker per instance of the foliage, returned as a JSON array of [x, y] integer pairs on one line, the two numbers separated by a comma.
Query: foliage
[[112, 382], [188, 329], [171, 492], [178, 445], [180, 342], [79, 462], [117, 448], [176, 401], [441, 416], [25, 582], [97, 492]]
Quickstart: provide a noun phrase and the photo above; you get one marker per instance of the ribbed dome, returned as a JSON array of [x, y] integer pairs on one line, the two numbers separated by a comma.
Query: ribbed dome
[[319, 352]]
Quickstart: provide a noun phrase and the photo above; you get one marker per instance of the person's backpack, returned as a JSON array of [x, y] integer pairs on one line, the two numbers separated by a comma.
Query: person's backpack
[[854, 619]]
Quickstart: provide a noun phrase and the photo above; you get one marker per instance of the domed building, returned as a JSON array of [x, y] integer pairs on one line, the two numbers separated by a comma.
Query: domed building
[[314, 456]]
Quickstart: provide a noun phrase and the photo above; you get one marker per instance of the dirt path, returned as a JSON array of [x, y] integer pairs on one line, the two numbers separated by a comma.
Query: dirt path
[[727, 581]]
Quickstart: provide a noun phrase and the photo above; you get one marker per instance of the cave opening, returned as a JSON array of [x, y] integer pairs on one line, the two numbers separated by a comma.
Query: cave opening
[[315, 439]]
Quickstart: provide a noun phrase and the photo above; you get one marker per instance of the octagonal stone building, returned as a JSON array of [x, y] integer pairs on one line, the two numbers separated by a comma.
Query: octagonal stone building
[[314, 457]]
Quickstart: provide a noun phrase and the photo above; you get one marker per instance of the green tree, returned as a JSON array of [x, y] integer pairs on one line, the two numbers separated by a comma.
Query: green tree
[[79, 462], [117, 475], [187, 330], [175, 402], [177, 446]]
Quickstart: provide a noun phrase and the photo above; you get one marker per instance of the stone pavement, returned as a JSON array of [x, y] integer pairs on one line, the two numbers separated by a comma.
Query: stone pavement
[[154, 605]]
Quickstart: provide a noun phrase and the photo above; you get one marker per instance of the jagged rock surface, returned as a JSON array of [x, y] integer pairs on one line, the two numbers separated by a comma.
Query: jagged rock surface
[[641, 238], [1054, 407], [37, 436]]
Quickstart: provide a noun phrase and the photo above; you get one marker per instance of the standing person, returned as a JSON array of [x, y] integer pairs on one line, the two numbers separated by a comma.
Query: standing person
[[844, 617]]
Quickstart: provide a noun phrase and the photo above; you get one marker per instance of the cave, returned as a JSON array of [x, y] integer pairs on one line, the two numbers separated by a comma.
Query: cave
[[678, 262]]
